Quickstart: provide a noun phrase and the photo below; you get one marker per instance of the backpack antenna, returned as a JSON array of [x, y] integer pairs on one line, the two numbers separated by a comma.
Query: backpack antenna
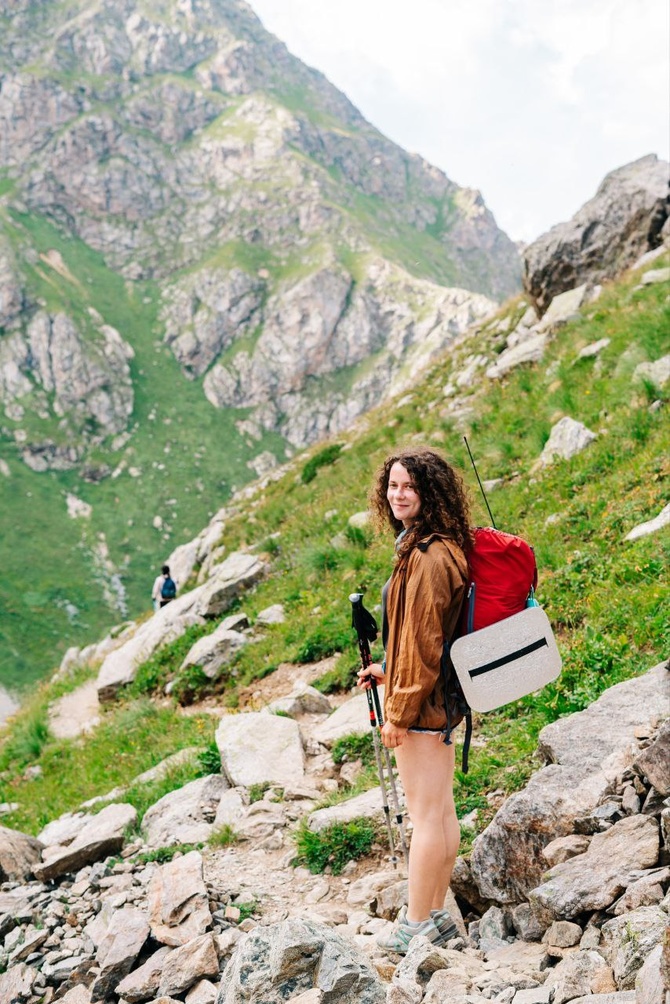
[[481, 486]]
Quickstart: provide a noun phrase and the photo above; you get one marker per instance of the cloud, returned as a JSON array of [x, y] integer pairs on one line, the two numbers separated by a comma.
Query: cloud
[[532, 101]]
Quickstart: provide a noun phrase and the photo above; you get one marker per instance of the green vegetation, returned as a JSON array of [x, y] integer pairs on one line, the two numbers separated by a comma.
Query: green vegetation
[[323, 458], [162, 855], [222, 836], [334, 846]]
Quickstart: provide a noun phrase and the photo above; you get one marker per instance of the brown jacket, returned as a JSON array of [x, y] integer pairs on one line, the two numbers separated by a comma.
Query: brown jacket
[[423, 604]]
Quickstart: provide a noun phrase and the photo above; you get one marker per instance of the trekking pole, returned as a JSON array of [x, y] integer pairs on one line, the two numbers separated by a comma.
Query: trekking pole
[[366, 629], [481, 486]]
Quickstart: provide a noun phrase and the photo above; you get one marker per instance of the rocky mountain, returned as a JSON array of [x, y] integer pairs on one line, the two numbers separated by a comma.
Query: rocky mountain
[[284, 236]]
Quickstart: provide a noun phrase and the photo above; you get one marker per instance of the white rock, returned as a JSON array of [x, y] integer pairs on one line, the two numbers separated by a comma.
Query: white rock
[[563, 307], [256, 747], [568, 438], [351, 718], [214, 651], [594, 348], [657, 372], [529, 351], [272, 615], [652, 526], [655, 275], [184, 816]]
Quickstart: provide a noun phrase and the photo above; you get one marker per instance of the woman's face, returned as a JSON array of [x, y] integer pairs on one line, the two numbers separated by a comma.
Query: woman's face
[[402, 495]]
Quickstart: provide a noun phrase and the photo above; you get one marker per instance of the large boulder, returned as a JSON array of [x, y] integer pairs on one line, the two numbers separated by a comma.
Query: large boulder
[[100, 836], [256, 748], [178, 902], [185, 815], [214, 651], [593, 880], [227, 581], [586, 751], [279, 962], [122, 943], [608, 234], [167, 624], [19, 853]]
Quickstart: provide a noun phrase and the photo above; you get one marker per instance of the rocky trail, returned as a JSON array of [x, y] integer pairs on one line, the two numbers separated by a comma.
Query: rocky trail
[[564, 897]]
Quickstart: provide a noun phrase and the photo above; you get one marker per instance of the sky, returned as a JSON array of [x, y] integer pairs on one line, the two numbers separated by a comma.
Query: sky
[[532, 102]]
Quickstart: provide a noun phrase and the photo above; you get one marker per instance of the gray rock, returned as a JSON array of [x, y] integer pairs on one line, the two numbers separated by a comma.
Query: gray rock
[[651, 526], [17, 983], [649, 980], [593, 349], [100, 836], [495, 924], [567, 438], [563, 307], [655, 275], [529, 351], [562, 934], [645, 891], [214, 651], [256, 748], [272, 615], [564, 848], [588, 750], [303, 700], [142, 984], [177, 901], [607, 235], [228, 581], [19, 853], [367, 805], [122, 943], [580, 974], [592, 881], [167, 624], [528, 926], [187, 964], [657, 373], [185, 815], [295, 956], [630, 939], [351, 718]]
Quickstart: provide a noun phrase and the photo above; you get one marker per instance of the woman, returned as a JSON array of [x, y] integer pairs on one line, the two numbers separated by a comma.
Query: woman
[[423, 499]]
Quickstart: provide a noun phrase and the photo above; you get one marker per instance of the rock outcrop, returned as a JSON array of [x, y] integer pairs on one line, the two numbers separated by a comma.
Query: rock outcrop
[[625, 219]]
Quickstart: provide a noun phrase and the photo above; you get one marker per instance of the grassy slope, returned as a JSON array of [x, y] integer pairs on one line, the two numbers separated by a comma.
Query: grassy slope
[[606, 597], [186, 450]]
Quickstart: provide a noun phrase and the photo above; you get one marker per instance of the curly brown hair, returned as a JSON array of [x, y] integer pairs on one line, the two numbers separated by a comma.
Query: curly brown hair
[[445, 506]]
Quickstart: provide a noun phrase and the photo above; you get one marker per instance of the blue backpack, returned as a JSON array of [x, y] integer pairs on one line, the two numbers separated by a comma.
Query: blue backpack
[[168, 589]]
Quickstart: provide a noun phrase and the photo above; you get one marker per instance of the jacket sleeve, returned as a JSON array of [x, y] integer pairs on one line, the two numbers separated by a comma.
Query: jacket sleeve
[[434, 585]]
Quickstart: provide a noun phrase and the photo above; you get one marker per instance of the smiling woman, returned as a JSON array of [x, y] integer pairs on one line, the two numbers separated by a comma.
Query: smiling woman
[[578, 70]]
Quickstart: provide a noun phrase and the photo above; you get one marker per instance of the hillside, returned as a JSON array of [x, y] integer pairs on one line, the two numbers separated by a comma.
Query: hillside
[[202, 244], [604, 594]]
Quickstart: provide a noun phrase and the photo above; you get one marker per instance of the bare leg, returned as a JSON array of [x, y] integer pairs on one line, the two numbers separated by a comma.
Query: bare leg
[[426, 767]]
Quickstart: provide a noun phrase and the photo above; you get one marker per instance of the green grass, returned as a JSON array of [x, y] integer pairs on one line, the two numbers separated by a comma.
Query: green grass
[[334, 846], [130, 739], [176, 444]]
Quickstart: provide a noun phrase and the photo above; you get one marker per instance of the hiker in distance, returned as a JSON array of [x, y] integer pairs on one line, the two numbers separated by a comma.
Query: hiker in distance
[[164, 590], [423, 499]]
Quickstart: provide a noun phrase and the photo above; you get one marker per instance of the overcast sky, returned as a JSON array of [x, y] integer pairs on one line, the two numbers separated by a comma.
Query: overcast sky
[[531, 101]]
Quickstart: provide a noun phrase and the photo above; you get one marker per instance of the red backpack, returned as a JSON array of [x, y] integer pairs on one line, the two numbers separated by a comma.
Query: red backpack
[[502, 573]]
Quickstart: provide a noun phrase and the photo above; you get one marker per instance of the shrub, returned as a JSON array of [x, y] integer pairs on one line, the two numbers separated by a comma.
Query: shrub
[[334, 846], [324, 458], [222, 836], [165, 854], [354, 747], [210, 759]]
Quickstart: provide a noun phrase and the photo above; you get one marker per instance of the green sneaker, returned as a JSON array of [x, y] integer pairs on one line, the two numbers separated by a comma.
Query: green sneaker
[[403, 932], [445, 924]]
